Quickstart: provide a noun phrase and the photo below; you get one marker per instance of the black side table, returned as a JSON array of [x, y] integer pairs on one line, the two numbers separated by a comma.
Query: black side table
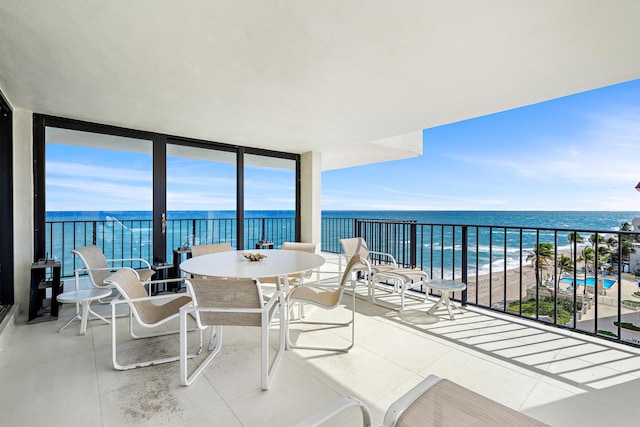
[[177, 259], [164, 270], [44, 275]]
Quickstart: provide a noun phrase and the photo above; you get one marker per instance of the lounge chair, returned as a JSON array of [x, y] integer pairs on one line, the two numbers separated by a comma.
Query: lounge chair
[[145, 311], [433, 402], [98, 267], [366, 266]]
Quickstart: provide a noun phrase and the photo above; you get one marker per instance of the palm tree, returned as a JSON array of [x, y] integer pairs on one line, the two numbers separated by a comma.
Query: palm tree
[[588, 255], [600, 239], [565, 263], [574, 236], [627, 249], [540, 258], [626, 226]]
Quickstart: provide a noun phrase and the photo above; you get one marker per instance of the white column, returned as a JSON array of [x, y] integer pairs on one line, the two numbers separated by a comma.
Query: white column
[[22, 205], [310, 187]]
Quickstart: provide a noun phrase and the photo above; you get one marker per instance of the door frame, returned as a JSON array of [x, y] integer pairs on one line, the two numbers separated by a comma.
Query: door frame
[[160, 142], [7, 258]]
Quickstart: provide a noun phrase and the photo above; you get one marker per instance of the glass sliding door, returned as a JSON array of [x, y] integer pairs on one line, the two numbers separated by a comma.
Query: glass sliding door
[[98, 191], [201, 196], [138, 194], [270, 201]]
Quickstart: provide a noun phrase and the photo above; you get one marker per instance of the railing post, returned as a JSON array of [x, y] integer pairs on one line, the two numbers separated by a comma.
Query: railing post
[[193, 232], [465, 261], [94, 234], [413, 248]]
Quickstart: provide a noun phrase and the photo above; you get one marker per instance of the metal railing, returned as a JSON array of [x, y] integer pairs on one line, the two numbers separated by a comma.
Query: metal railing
[[543, 274], [536, 273], [134, 238]]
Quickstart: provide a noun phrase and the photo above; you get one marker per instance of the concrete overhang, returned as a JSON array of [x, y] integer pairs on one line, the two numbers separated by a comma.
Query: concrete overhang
[[354, 80]]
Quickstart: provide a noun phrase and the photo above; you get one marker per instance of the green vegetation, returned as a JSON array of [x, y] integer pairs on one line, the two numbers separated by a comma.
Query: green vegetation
[[636, 293], [565, 309], [629, 326], [608, 333], [540, 259]]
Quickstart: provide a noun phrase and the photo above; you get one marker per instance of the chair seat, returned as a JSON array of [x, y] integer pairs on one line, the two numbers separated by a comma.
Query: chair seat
[[314, 295], [449, 404], [165, 310]]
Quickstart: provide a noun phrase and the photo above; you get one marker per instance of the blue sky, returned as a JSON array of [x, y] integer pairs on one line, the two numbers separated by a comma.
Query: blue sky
[[575, 153]]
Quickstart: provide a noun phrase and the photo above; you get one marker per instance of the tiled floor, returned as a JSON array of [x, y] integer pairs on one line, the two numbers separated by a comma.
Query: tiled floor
[[62, 379]]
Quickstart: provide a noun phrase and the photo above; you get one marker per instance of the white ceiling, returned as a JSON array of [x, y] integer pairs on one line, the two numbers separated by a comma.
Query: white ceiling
[[354, 79]]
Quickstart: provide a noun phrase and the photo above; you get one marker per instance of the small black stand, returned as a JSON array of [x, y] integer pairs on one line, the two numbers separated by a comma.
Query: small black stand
[[44, 274], [264, 244], [164, 270]]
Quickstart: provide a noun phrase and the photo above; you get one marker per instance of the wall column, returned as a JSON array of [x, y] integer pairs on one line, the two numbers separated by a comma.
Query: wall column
[[310, 188], [22, 205]]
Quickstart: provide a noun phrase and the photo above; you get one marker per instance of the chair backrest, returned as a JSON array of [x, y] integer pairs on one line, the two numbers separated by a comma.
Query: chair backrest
[[227, 293], [330, 298], [355, 246], [128, 284], [213, 248], [302, 247], [95, 262], [298, 246]]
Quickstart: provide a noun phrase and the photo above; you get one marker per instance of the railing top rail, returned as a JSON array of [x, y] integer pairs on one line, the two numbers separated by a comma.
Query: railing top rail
[[508, 227]]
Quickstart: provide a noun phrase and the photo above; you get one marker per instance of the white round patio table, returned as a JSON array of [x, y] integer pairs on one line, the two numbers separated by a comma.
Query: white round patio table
[[445, 286], [84, 297], [233, 264]]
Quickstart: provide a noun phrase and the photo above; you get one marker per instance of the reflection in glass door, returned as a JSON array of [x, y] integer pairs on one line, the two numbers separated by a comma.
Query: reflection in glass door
[[98, 191], [201, 197], [270, 201]]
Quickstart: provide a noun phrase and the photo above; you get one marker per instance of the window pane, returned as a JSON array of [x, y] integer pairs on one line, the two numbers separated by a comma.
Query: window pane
[[270, 200], [201, 197], [98, 191]]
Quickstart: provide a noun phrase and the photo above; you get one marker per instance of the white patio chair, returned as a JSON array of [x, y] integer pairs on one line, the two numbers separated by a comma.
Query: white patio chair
[[293, 279], [327, 297], [231, 302], [98, 267], [147, 311], [358, 246], [214, 248], [433, 402]]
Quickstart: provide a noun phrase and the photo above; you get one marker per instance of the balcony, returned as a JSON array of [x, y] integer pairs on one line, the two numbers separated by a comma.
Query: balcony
[[496, 262], [563, 372], [555, 375]]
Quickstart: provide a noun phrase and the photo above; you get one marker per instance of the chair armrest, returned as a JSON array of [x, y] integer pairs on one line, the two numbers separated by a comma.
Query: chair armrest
[[119, 300], [399, 406], [154, 282], [141, 260], [338, 406], [385, 254]]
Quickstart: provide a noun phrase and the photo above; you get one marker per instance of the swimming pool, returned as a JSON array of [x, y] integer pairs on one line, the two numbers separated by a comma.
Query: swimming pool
[[608, 283]]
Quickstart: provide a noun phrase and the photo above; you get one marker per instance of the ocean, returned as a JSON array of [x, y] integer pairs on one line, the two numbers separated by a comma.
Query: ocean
[[583, 220], [438, 247]]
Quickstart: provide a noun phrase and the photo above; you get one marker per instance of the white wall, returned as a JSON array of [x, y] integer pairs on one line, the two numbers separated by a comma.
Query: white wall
[[310, 188], [22, 204]]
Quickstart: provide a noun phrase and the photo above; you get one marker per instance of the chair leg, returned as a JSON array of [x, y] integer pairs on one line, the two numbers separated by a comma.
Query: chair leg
[[351, 323], [114, 350], [269, 374], [215, 343]]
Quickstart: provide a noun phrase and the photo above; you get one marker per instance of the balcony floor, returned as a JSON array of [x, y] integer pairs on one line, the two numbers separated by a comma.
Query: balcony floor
[[561, 378]]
